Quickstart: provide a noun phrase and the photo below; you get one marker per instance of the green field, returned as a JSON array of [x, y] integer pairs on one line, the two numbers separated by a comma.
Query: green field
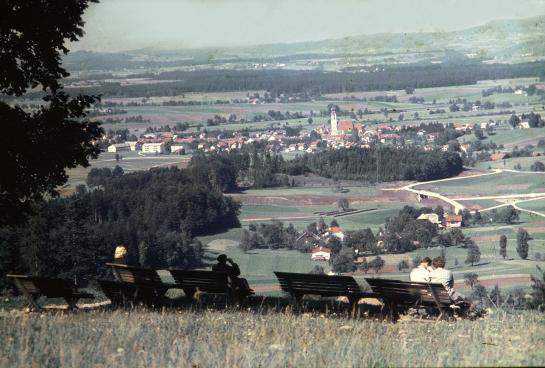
[[513, 137], [524, 162], [318, 190], [130, 162], [498, 184], [537, 205], [161, 115]]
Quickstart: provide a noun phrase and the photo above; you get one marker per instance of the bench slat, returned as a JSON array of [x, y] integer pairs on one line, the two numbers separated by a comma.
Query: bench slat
[[299, 284], [403, 292]]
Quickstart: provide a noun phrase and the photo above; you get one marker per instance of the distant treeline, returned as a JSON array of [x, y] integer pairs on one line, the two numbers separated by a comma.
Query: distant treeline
[[258, 169], [379, 164], [155, 213], [389, 77]]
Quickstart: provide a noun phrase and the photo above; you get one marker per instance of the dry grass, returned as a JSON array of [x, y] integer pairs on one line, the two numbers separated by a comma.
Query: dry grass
[[243, 339]]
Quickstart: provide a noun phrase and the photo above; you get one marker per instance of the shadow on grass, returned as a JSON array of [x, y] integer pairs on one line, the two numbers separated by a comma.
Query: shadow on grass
[[210, 302], [481, 264]]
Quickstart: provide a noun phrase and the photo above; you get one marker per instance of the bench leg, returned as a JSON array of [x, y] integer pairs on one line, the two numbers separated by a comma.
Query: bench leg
[[353, 305], [71, 302], [296, 302], [391, 311], [33, 303], [31, 298], [189, 292]]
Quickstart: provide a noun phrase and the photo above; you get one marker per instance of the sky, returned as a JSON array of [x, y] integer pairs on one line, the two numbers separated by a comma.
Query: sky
[[117, 25]]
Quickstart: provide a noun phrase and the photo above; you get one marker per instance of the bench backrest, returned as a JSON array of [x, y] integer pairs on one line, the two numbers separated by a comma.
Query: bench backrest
[[409, 292], [325, 285], [142, 277], [49, 287], [207, 281]]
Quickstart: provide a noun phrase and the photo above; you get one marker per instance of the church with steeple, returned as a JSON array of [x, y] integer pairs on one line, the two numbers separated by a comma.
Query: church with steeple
[[341, 127]]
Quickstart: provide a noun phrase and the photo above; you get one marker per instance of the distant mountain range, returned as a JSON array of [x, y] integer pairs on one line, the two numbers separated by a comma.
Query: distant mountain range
[[505, 41]]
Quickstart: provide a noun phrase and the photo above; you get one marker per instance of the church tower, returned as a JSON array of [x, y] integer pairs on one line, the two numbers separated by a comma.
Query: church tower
[[333, 130]]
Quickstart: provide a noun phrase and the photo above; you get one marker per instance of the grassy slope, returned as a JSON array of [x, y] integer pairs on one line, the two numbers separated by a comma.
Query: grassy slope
[[504, 183], [243, 339]]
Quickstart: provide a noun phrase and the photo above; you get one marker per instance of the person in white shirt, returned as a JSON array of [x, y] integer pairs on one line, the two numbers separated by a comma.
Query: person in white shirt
[[422, 272], [440, 275]]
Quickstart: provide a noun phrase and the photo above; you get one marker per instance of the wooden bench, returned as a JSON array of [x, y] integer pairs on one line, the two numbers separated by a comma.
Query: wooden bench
[[211, 282], [118, 292], [300, 284], [396, 293], [140, 285], [33, 287]]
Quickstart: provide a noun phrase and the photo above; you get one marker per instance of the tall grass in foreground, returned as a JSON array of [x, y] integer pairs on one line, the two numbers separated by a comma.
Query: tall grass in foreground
[[242, 339]]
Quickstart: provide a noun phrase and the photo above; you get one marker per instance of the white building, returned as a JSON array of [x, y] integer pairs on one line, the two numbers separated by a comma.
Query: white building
[[334, 130], [120, 147], [178, 148], [135, 146], [431, 217], [153, 147], [321, 254]]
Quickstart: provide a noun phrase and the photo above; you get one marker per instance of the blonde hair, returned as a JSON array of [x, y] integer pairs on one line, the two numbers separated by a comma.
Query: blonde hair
[[120, 251]]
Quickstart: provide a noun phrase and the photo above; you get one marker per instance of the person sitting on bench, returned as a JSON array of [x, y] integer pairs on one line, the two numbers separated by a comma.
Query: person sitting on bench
[[422, 272], [443, 276], [120, 255], [239, 285]]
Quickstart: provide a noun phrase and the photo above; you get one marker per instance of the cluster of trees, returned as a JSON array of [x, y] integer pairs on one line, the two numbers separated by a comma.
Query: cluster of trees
[[269, 235], [499, 89], [248, 167], [522, 244], [253, 166], [390, 77], [379, 164], [505, 215], [194, 103], [416, 100], [537, 166], [402, 233], [156, 214], [534, 120]]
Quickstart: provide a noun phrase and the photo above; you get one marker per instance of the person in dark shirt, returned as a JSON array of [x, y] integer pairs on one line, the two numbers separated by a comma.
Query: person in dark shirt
[[231, 269], [240, 286]]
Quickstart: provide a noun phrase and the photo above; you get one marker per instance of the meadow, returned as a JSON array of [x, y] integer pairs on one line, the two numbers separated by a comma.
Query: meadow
[[490, 185], [131, 161], [170, 338], [195, 115]]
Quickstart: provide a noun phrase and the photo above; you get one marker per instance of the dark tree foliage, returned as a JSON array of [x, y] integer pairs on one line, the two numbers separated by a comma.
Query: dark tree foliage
[[506, 215], [361, 240], [473, 254], [390, 77], [377, 264], [219, 170], [393, 164], [522, 243], [404, 231], [403, 265], [343, 261], [503, 246], [37, 147], [155, 214], [538, 166], [471, 279], [538, 290]]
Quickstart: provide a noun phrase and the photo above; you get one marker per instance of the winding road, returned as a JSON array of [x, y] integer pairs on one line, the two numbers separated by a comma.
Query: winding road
[[457, 206]]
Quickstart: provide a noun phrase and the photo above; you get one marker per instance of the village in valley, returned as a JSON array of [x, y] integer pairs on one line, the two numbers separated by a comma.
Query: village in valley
[[174, 198]]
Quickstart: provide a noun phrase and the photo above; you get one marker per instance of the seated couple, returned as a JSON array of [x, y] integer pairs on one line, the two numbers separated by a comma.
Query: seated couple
[[435, 272]]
